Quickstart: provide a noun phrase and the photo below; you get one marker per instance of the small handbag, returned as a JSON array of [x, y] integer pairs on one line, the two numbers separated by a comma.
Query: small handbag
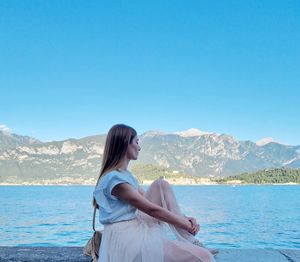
[[93, 245]]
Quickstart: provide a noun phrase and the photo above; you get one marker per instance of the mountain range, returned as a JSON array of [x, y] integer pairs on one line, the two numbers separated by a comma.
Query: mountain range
[[193, 152]]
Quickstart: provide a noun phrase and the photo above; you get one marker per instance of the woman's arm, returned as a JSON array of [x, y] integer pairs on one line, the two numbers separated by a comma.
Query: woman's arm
[[126, 193]]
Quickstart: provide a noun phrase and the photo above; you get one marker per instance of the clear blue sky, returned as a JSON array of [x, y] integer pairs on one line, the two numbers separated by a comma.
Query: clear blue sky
[[74, 68]]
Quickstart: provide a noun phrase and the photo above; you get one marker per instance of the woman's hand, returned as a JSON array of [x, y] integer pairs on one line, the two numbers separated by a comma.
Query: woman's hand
[[195, 227]]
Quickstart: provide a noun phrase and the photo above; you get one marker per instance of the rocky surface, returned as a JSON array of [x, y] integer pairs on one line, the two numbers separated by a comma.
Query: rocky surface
[[70, 254]]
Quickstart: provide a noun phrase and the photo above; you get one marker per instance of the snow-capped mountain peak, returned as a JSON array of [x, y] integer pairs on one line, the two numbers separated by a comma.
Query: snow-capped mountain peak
[[265, 141], [5, 130], [192, 132]]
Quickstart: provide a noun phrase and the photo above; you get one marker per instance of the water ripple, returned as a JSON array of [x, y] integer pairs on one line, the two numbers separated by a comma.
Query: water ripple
[[240, 217]]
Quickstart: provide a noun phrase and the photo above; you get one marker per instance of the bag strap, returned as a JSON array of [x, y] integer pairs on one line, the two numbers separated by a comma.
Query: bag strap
[[94, 216]]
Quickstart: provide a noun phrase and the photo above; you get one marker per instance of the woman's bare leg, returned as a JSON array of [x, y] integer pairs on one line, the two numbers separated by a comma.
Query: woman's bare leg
[[161, 193]]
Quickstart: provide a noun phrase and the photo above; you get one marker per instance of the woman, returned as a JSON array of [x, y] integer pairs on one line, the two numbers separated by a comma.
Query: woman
[[134, 221]]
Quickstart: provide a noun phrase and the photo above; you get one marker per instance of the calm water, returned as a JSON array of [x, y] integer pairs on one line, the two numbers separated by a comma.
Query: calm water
[[230, 217]]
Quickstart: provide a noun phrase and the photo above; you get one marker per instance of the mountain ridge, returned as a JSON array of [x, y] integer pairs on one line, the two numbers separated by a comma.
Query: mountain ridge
[[206, 155]]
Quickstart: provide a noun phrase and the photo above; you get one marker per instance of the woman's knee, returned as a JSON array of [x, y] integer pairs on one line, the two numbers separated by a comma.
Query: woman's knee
[[161, 183]]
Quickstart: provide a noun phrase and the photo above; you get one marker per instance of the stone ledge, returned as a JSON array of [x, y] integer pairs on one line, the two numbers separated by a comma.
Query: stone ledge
[[72, 254]]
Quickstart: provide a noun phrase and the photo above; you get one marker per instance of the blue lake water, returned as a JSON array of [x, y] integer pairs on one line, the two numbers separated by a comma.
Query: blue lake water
[[230, 217]]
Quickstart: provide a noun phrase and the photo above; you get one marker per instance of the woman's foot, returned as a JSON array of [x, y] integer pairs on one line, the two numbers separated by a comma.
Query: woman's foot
[[213, 251], [198, 243]]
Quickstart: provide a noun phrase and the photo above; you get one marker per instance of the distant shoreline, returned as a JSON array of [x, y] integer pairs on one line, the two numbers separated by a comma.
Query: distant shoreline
[[149, 182], [147, 175]]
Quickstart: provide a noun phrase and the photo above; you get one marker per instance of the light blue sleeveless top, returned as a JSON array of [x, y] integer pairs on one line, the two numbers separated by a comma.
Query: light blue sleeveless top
[[112, 209]]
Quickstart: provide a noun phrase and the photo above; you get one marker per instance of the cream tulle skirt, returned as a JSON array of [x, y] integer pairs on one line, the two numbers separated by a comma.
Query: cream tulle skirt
[[144, 239]]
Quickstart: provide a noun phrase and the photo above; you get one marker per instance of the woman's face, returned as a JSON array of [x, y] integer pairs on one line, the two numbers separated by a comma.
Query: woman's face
[[133, 149]]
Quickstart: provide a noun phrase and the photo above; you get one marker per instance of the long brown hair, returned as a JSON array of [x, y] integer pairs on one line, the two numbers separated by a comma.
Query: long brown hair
[[117, 141]]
